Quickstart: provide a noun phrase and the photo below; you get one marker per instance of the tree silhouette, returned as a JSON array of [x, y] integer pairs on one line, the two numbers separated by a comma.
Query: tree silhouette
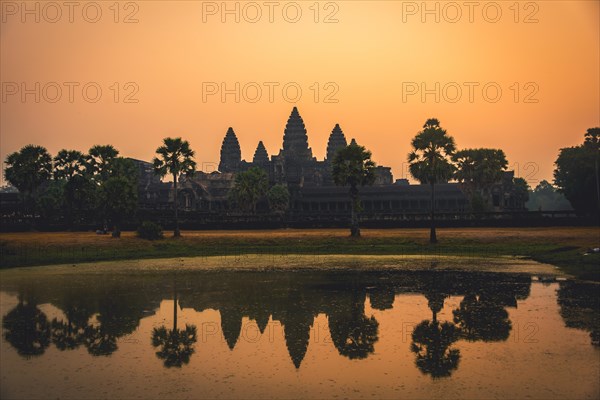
[[27, 169], [352, 332], [279, 199], [481, 318], [175, 158], [248, 188], [546, 197], [119, 193], [580, 307], [352, 166], [176, 345], [478, 170], [27, 329], [576, 173], [98, 161], [100, 341], [69, 166], [429, 161], [431, 343], [70, 334]]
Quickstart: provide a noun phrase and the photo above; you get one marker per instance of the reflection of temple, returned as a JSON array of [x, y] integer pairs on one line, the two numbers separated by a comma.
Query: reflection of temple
[[98, 312], [310, 181]]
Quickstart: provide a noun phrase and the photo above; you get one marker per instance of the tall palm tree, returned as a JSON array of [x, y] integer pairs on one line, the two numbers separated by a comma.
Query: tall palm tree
[[175, 158], [27, 169], [177, 345], [99, 159], [430, 160], [352, 166], [68, 166]]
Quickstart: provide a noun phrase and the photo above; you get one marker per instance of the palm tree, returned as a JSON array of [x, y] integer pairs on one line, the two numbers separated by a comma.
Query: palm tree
[[176, 345], [27, 170], [68, 166], [431, 339], [353, 333], [248, 188], [431, 343], [99, 159], [429, 160], [176, 158], [352, 166], [119, 192], [478, 170]]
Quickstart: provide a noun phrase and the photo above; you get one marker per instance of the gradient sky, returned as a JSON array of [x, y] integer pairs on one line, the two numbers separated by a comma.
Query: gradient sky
[[372, 54]]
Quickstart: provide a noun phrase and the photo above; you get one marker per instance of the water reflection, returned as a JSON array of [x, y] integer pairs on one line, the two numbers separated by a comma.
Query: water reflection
[[100, 310], [176, 345], [27, 328], [580, 307]]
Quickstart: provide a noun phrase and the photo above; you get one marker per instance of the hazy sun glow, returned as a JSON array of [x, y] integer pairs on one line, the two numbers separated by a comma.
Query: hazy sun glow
[[370, 62]]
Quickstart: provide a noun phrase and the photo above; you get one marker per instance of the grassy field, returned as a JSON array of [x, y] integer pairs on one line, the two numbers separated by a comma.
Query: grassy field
[[563, 247]]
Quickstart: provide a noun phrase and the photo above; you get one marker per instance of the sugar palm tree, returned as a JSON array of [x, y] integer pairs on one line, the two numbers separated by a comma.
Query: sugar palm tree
[[69, 165], [249, 187], [352, 166], [177, 345], [99, 159], [27, 170], [175, 158], [429, 161]]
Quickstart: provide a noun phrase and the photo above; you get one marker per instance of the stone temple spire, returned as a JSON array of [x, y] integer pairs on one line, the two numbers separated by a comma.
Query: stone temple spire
[[295, 140], [261, 157], [336, 141], [231, 154], [353, 142]]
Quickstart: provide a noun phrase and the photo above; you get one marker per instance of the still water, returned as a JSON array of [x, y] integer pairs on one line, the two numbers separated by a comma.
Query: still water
[[298, 335]]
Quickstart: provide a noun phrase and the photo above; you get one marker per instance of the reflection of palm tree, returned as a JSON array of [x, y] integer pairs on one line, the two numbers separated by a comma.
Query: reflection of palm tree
[[382, 297], [70, 334], [431, 340], [66, 335], [99, 341], [352, 332], [431, 343], [355, 338], [176, 346], [481, 318], [27, 329]]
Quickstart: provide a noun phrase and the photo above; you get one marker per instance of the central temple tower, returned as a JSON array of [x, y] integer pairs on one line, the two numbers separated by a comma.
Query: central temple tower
[[295, 139]]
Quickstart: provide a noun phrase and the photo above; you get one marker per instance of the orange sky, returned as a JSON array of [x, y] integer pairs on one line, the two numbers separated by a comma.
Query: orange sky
[[372, 55]]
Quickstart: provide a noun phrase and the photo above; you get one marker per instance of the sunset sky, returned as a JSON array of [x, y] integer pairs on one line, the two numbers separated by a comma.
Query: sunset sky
[[369, 57]]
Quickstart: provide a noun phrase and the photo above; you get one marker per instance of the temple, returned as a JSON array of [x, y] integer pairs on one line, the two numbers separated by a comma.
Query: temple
[[310, 182]]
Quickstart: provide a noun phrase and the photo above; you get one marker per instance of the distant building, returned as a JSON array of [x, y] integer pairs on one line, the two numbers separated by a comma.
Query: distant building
[[310, 181]]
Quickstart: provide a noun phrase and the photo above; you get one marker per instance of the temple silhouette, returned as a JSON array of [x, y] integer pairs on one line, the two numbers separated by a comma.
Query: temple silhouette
[[97, 314], [310, 182]]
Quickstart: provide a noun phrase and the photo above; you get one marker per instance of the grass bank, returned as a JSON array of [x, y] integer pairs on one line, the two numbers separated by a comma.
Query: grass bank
[[562, 246]]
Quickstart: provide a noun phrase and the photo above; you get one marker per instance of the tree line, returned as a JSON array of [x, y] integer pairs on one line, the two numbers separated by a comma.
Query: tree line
[[102, 186], [434, 159]]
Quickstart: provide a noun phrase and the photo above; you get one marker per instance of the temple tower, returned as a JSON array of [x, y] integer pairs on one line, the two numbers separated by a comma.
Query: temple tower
[[295, 139], [261, 157], [231, 154], [336, 141]]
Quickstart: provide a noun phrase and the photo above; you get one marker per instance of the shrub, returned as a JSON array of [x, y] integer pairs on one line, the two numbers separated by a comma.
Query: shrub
[[150, 230]]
